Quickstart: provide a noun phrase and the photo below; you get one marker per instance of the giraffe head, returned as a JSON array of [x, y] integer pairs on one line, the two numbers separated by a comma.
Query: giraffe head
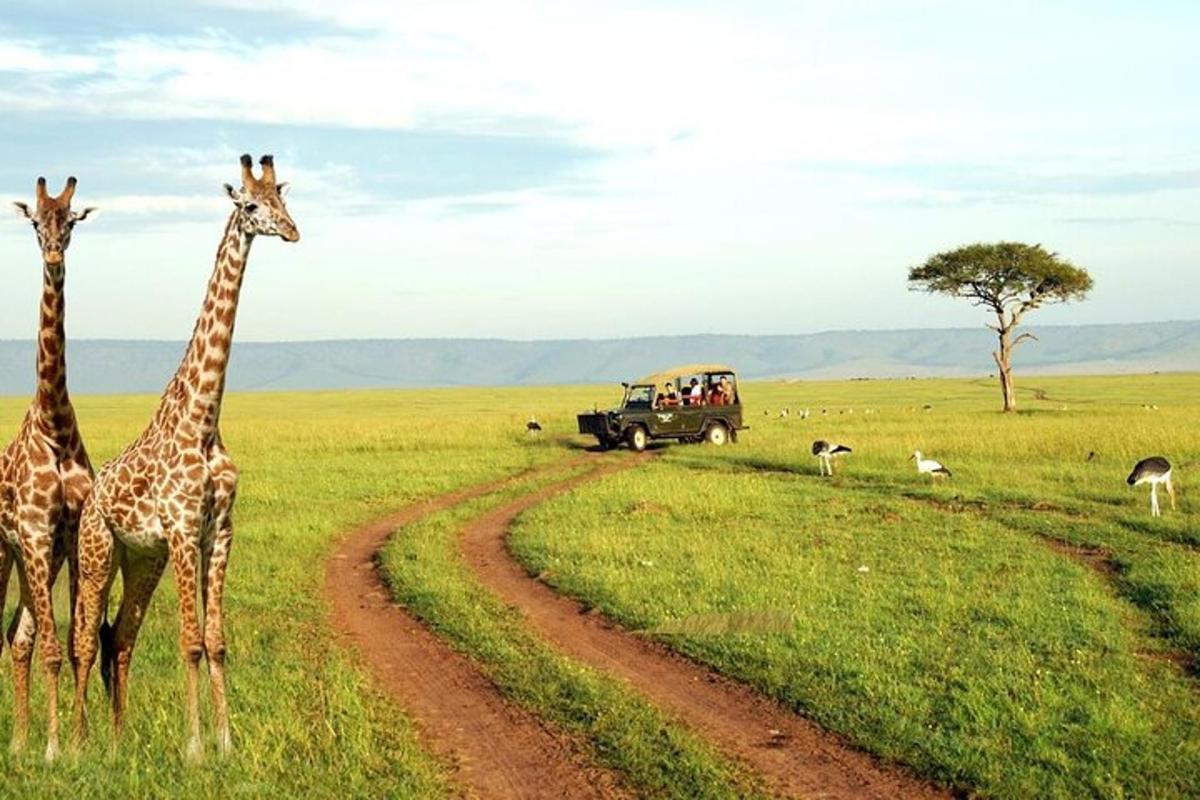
[[259, 202], [53, 220]]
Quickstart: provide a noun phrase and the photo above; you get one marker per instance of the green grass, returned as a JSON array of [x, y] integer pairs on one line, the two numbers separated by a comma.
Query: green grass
[[933, 623], [969, 649], [625, 732], [305, 720]]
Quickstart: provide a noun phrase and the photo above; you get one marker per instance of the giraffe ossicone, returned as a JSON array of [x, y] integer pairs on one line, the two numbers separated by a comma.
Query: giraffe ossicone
[[169, 496]]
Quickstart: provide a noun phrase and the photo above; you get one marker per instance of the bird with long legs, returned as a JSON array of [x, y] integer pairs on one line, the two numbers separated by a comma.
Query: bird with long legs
[[927, 466], [826, 452], [1155, 471]]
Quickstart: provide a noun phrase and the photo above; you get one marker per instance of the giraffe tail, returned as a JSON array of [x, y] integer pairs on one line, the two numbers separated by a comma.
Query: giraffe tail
[[108, 653]]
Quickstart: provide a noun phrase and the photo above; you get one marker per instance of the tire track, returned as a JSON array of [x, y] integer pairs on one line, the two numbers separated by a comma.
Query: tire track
[[498, 749], [793, 755]]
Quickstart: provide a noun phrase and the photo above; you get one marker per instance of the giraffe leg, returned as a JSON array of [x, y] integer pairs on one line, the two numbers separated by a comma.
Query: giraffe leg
[[6, 561], [70, 538], [140, 574], [22, 636], [38, 556], [185, 554], [216, 560], [96, 569]]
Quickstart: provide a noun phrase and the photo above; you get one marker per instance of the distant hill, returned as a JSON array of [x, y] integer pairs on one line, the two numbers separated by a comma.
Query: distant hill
[[109, 366]]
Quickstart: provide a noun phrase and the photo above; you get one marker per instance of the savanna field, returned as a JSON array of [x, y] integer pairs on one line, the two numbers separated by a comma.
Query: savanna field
[[1024, 629]]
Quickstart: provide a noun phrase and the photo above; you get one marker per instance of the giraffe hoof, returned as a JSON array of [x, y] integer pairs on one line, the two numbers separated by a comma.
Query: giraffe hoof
[[224, 744], [52, 752], [195, 751], [17, 745]]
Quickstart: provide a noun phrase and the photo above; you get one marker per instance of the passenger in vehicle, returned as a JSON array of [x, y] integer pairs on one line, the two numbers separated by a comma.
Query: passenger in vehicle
[[695, 395], [727, 390], [671, 398]]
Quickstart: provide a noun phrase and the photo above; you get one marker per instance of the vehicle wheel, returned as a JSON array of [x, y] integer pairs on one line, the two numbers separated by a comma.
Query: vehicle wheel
[[637, 438], [717, 434], [604, 442]]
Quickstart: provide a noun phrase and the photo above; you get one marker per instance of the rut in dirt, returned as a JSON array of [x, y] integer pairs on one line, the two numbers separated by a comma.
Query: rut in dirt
[[496, 749], [794, 756]]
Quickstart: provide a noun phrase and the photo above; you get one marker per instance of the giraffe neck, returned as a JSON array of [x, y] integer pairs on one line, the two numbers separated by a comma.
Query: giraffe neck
[[56, 415], [207, 357]]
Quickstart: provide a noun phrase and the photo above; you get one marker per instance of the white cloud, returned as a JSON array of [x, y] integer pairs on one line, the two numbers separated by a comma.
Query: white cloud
[[724, 130]]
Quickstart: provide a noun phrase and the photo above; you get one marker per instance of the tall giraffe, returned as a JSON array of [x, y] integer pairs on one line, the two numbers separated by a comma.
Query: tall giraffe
[[170, 494], [44, 477]]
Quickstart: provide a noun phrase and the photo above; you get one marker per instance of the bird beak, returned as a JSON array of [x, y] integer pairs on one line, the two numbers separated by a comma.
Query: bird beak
[[910, 458]]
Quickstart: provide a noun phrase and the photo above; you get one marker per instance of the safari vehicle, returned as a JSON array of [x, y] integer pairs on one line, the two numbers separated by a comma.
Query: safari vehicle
[[648, 413]]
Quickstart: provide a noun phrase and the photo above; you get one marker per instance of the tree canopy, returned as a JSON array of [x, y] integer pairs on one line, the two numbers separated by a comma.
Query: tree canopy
[[1009, 278], [1001, 276]]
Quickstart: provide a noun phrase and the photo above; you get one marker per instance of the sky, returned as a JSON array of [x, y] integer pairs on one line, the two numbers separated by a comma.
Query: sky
[[574, 169]]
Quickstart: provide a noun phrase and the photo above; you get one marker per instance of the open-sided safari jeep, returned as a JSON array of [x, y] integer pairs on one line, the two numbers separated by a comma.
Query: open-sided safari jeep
[[691, 403]]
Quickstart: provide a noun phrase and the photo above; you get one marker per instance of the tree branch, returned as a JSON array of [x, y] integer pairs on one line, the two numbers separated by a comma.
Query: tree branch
[[1023, 337]]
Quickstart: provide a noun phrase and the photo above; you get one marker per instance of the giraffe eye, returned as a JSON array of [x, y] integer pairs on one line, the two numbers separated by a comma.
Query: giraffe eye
[[251, 207]]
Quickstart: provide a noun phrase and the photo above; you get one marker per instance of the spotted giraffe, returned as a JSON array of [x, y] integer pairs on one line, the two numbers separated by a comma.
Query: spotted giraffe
[[45, 475], [169, 496]]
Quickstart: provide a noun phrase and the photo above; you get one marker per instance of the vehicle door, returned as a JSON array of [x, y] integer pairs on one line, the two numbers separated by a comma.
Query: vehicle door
[[668, 421], [691, 417]]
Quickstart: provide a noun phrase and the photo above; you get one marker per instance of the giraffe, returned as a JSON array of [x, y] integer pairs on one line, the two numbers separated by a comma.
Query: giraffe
[[45, 475], [169, 496]]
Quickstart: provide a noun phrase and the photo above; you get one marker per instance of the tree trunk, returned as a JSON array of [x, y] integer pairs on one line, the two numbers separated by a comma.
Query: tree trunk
[[1003, 359]]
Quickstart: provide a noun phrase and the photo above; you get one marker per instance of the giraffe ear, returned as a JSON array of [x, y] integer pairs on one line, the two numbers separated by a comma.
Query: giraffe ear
[[22, 209], [239, 196], [282, 188]]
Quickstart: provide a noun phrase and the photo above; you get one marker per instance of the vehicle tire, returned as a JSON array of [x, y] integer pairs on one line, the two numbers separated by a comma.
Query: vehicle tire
[[637, 438], [716, 434]]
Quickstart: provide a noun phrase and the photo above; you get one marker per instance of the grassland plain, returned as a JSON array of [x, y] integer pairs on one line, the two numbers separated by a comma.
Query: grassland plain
[[306, 721], [1024, 629]]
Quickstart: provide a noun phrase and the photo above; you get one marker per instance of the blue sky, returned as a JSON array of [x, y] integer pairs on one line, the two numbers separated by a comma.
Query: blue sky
[[564, 169]]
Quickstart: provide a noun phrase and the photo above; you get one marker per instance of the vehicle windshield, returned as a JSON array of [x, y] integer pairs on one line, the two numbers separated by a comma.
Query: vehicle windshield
[[639, 397]]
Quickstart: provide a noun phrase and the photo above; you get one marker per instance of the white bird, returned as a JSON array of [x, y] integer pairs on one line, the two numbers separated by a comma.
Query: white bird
[[826, 451], [783, 412], [1153, 470], [804, 414], [928, 465]]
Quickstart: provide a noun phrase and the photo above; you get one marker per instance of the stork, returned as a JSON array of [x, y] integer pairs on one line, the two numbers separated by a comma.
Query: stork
[[826, 451], [929, 466], [1153, 470], [533, 426]]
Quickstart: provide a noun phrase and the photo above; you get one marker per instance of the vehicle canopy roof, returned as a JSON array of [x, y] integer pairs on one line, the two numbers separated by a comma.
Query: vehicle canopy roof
[[665, 376]]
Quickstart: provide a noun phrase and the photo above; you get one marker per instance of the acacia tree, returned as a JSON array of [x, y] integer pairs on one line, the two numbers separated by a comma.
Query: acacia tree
[[1010, 279]]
